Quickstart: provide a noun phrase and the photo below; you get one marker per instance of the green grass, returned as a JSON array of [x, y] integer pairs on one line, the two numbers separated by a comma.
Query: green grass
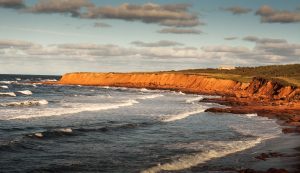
[[284, 74]]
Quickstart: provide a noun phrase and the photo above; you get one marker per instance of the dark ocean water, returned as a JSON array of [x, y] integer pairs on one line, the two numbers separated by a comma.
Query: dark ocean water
[[54, 128]]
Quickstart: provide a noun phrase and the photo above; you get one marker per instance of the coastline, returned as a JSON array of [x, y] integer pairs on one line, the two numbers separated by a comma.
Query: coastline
[[263, 97]]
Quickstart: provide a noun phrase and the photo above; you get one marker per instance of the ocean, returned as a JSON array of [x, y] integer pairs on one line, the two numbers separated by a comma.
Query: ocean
[[55, 128]]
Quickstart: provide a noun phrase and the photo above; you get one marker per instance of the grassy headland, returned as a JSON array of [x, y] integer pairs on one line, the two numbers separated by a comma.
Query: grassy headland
[[284, 74]]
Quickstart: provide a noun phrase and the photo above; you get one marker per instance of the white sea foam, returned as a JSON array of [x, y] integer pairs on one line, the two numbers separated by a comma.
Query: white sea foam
[[49, 80], [144, 90], [7, 82], [67, 108], [39, 135], [251, 115], [25, 103], [192, 100], [4, 87], [178, 93], [213, 149], [25, 92], [65, 130], [169, 118], [256, 128], [150, 96], [11, 94]]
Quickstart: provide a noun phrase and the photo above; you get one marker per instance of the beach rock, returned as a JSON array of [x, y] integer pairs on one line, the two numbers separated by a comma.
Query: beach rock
[[291, 130], [249, 171], [273, 170], [265, 156]]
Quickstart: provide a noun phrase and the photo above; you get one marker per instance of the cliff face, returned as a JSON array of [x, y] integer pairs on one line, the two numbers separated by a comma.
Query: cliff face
[[259, 88], [182, 82]]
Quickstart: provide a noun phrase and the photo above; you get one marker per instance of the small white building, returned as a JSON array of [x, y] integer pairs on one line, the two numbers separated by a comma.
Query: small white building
[[226, 67]]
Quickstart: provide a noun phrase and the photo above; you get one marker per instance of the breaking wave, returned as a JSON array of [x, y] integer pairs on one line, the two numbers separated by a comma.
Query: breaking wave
[[10, 94], [251, 115], [7, 82], [68, 108], [49, 80], [25, 92], [59, 132], [121, 126], [144, 90], [4, 87], [26, 103], [52, 133], [150, 96], [178, 93], [214, 149], [192, 100], [169, 118], [255, 127]]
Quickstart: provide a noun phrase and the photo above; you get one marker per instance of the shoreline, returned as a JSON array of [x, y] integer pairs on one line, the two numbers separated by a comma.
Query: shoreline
[[263, 97]]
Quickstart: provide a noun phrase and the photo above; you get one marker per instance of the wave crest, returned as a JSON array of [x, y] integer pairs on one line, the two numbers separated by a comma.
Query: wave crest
[[192, 100], [169, 118], [4, 87], [71, 108], [150, 96], [52, 133], [25, 92], [221, 149], [25, 103], [10, 94]]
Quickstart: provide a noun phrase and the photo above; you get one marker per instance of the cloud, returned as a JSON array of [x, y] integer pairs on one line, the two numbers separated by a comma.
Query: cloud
[[179, 31], [263, 40], [60, 6], [101, 25], [279, 49], [96, 50], [167, 15], [265, 51], [16, 4], [230, 38], [44, 31], [224, 48], [162, 43], [237, 10], [270, 15], [17, 44], [173, 15]]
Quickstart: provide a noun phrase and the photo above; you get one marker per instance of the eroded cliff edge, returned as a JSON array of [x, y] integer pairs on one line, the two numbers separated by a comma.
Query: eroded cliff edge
[[261, 96]]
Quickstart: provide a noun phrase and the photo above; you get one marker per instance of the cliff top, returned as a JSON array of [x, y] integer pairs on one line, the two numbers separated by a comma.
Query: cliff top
[[284, 74]]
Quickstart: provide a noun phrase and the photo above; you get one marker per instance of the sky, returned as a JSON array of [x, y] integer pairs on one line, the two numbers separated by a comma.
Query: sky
[[60, 36]]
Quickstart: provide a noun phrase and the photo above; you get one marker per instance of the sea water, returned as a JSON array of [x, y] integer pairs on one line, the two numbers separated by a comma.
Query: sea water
[[56, 128]]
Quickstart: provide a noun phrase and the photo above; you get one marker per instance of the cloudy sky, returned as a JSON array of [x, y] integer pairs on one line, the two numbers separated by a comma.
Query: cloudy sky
[[59, 36]]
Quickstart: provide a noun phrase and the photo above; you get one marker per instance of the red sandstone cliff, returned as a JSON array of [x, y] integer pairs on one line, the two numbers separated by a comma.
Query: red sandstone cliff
[[259, 88]]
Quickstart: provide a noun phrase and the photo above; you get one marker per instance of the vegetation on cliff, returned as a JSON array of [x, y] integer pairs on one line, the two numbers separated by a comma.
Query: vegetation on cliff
[[284, 74]]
